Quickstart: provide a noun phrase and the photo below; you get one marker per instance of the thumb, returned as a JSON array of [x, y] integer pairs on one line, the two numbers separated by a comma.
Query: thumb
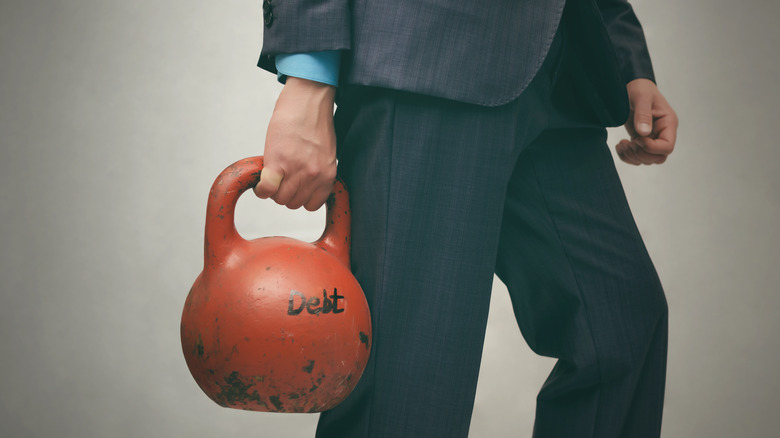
[[270, 179], [643, 116]]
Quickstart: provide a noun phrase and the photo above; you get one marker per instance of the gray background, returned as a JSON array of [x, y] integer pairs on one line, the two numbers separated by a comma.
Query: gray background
[[115, 118]]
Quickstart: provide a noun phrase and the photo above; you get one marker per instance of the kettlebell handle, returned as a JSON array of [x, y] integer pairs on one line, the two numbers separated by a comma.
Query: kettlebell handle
[[221, 235]]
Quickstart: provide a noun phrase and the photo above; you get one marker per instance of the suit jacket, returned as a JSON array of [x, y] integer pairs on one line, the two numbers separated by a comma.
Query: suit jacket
[[484, 53]]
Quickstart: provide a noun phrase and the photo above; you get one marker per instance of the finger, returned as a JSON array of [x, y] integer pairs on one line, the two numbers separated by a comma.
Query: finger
[[643, 116], [631, 152], [287, 192], [626, 152], [642, 153], [645, 157], [655, 146], [297, 200], [629, 125], [270, 180], [666, 132], [318, 198]]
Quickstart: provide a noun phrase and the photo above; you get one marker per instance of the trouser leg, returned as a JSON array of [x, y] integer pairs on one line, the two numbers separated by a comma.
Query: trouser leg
[[583, 288], [427, 179], [427, 200]]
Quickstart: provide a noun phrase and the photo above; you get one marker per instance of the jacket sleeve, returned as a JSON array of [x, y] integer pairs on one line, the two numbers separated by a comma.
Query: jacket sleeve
[[296, 26], [627, 37]]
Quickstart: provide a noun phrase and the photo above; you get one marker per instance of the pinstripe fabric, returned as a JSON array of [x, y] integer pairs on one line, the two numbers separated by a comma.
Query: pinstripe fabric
[[583, 287], [443, 195], [306, 26], [469, 51], [477, 52], [484, 53]]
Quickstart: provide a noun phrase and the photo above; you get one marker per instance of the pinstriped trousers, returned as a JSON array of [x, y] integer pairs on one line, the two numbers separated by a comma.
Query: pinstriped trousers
[[446, 194]]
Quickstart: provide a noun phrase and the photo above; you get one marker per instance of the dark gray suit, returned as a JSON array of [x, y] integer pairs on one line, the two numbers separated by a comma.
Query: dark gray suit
[[471, 135], [477, 52]]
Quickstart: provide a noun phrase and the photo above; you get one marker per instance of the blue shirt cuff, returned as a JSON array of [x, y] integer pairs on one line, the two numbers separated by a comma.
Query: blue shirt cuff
[[314, 66]]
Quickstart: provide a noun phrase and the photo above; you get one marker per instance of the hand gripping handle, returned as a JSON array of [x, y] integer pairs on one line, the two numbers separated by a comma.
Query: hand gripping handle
[[222, 236]]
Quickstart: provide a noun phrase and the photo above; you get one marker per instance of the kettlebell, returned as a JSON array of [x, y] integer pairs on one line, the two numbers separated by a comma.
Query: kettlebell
[[274, 324]]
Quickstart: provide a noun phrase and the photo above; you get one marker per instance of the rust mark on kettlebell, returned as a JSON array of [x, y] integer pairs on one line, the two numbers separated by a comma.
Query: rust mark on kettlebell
[[309, 368], [199, 347], [363, 339], [234, 390], [276, 402]]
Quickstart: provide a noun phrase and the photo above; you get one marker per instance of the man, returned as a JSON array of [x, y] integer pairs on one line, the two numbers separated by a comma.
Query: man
[[471, 136]]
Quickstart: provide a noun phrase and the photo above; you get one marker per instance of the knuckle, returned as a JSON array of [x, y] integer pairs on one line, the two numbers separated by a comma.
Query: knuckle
[[310, 170], [331, 172]]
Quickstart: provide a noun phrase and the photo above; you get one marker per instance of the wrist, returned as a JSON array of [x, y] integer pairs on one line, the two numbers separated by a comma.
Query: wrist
[[310, 93]]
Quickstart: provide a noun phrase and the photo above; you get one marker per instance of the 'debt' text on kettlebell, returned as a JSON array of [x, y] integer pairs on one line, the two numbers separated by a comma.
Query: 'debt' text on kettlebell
[[330, 303]]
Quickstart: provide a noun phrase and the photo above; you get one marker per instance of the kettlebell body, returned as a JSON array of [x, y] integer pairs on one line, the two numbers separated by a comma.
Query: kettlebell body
[[274, 324]]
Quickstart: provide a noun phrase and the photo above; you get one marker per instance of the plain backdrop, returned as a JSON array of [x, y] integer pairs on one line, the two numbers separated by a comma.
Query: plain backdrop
[[116, 116]]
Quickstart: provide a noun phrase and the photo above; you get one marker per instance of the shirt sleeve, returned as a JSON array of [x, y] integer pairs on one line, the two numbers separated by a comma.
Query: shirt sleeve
[[315, 66]]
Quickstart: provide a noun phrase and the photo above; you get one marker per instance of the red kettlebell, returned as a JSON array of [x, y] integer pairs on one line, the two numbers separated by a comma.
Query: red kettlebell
[[275, 324]]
